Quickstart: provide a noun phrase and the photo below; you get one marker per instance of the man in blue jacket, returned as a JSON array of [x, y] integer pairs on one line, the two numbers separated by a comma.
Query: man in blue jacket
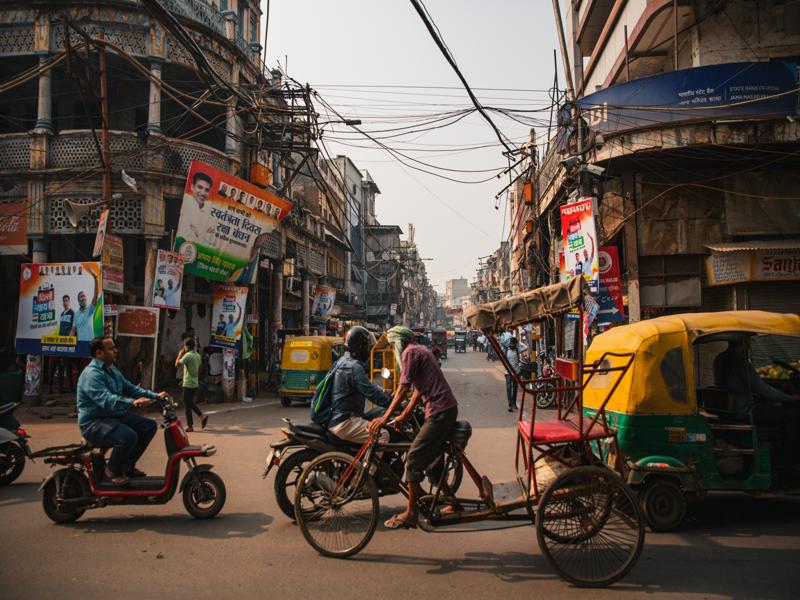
[[352, 388], [105, 398]]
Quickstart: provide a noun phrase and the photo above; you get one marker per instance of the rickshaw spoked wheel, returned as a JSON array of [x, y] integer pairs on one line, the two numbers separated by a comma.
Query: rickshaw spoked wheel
[[589, 526], [663, 504]]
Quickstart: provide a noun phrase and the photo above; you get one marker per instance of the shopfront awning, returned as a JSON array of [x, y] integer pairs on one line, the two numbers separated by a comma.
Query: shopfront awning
[[755, 246]]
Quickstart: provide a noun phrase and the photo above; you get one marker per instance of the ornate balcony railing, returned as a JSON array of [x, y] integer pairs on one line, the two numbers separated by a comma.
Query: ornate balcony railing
[[199, 11]]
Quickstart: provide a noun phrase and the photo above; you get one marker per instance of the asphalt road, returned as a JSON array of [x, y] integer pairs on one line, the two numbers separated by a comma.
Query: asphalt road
[[732, 546]]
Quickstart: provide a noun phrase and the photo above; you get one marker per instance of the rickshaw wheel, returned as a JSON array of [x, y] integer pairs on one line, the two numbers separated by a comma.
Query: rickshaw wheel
[[286, 401], [663, 504], [589, 526], [337, 520]]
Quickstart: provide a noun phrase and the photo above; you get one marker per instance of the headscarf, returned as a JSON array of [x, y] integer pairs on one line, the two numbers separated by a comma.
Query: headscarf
[[399, 337]]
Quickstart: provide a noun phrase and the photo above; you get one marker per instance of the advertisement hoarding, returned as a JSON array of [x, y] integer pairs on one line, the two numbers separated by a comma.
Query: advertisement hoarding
[[168, 280], [60, 308], [609, 297], [13, 228], [324, 299], [227, 318], [223, 222], [113, 264], [579, 236]]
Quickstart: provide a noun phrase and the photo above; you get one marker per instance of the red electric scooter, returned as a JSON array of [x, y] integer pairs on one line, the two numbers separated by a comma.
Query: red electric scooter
[[81, 484]]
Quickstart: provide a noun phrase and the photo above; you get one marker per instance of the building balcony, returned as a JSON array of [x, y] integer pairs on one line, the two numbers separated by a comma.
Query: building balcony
[[198, 11]]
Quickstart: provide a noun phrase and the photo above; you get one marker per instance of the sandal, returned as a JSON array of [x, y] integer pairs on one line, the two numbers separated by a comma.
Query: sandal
[[203, 421], [136, 473], [116, 479], [395, 522]]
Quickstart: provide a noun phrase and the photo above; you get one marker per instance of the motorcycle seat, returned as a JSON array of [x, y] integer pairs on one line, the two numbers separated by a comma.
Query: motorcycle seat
[[310, 429], [8, 408], [460, 433]]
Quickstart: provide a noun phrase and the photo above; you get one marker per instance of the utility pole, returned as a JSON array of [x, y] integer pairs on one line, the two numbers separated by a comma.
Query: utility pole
[[104, 141]]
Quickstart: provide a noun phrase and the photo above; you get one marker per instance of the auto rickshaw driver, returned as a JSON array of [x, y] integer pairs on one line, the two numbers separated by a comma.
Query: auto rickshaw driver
[[734, 373]]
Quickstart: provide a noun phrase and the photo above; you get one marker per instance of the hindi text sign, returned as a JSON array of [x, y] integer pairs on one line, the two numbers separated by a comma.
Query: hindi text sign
[[580, 242], [228, 316], [168, 280]]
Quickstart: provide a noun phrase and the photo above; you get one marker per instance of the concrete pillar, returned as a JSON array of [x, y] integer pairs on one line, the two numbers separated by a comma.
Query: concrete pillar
[[305, 299], [44, 112], [154, 107], [277, 294], [39, 254], [630, 236], [231, 146]]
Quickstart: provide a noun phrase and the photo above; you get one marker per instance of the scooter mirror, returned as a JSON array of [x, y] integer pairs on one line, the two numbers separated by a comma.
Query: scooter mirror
[[386, 374]]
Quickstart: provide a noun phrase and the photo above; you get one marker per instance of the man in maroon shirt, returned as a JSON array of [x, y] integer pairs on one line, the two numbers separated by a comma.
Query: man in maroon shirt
[[418, 367]]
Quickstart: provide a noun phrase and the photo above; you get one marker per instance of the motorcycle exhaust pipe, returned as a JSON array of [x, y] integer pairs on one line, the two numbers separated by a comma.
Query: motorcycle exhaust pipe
[[321, 481]]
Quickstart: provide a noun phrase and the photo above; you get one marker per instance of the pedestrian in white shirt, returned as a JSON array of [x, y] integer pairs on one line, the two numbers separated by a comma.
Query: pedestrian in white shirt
[[515, 349]]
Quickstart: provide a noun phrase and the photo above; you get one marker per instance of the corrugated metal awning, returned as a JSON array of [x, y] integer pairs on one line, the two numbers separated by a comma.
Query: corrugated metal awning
[[754, 245]]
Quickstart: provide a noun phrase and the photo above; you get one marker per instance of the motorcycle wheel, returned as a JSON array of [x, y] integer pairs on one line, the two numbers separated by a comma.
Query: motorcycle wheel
[[286, 479], [547, 399], [74, 485], [204, 495], [12, 462]]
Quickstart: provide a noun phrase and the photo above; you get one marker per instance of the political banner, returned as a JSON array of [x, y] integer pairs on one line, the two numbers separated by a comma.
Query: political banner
[[228, 316], [580, 242], [324, 298], [100, 237], [609, 297], [13, 228], [168, 280], [224, 221], [60, 308], [113, 264]]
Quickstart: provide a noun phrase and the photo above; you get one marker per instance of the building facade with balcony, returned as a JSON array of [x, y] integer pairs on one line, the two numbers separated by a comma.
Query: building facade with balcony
[[690, 111], [161, 117]]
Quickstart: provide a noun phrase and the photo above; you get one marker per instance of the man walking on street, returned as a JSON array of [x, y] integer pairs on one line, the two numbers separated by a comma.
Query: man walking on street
[[190, 360], [513, 356]]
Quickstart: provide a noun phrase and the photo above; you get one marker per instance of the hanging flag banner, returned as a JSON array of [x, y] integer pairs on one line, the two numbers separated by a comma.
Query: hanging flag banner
[[60, 308], [580, 242], [224, 221], [609, 297], [324, 298], [99, 239], [13, 228], [113, 264], [168, 280], [228, 316]]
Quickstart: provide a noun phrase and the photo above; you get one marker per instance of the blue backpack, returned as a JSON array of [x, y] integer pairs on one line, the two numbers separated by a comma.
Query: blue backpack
[[322, 400]]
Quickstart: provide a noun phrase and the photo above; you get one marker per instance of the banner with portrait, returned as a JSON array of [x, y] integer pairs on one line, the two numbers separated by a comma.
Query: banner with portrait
[[168, 280], [60, 308], [579, 235], [224, 221], [324, 298], [228, 317]]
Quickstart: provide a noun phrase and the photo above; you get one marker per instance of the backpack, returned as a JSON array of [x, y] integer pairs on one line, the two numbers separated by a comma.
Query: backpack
[[322, 400]]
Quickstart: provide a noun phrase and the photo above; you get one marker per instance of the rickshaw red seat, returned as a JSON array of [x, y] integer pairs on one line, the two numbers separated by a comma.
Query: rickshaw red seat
[[559, 431]]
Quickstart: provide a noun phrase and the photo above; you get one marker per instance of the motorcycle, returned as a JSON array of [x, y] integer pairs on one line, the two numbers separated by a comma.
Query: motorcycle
[[545, 381], [303, 442], [81, 483], [14, 447]]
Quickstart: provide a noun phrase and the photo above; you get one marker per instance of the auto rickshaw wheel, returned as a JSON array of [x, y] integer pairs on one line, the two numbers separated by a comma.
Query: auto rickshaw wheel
[[663, 504], [286, 401]]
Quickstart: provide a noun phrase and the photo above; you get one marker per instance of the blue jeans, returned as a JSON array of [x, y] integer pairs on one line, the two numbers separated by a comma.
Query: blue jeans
[[128, 436], [511, 391]]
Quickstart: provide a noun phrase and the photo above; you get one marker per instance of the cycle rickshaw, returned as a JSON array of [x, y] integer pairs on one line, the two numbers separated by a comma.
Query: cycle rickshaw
[[568, 484]]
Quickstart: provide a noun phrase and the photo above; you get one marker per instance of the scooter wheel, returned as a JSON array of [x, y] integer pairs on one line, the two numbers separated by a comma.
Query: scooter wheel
[[12, 462], [204, 495], [73, 486]]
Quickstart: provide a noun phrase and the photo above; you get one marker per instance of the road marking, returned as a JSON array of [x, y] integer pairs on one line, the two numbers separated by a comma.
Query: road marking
[[242, 406]]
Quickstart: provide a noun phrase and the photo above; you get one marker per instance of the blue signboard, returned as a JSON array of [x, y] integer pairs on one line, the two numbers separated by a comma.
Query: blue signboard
[[732, 90]]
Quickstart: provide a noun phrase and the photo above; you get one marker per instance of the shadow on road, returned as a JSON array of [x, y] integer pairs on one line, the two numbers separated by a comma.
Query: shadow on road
[[225, 526], [19, 493]]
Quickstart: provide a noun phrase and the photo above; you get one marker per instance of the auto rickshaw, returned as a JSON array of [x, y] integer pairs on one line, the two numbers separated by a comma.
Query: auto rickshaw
[[440, 337], [684, 434], [460, 341], [304, 362], [382, 357]]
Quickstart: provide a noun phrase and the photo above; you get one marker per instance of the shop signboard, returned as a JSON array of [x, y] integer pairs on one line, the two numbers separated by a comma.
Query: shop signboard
[[13, 228], [137, 321], [223, 222], [228, 316], [579, 236], [324, 299], [60, 308], [168, 280], [781, 264], [612, 309], [113, 264]]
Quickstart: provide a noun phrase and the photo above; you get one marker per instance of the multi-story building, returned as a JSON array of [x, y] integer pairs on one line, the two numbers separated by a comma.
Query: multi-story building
[[689, 110]]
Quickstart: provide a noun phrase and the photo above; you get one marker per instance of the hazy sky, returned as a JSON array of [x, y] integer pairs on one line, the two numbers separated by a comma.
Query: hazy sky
[[345, 48]]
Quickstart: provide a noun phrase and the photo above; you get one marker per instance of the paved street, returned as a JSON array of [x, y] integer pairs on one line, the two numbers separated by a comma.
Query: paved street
[[732, 547]]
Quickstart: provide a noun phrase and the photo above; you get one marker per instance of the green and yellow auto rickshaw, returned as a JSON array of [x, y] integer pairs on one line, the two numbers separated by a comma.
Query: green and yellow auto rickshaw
[[685, 424], [304, 362]]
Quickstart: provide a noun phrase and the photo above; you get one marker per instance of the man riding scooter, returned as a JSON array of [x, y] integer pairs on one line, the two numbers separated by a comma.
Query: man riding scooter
[[105, 398]]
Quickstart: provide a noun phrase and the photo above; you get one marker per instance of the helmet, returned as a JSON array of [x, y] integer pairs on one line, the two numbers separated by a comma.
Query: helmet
[[359, 342]]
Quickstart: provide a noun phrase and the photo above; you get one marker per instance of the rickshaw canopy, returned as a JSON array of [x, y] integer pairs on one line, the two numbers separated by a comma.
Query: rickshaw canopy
[[661, 380], [529, 307]]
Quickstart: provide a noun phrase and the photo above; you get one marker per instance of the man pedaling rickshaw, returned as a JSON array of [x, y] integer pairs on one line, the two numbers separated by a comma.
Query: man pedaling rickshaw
[[418, 367]]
